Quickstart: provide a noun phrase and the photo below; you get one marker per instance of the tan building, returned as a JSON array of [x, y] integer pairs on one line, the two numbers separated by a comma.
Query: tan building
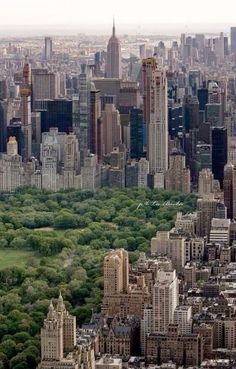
[[229, 187], [205, 183], [230, 334], [59, 349], [207, 210], [159, 244], [111, 128], [58, 335], [121, 297], [190, 275], [184, 350], [177, 177], [186, 222], [11, 168], [206, 332], [116, 272], [120, 337], [45, 85], [176, 250]]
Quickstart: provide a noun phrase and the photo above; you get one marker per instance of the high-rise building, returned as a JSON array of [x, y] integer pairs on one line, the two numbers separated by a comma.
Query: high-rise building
[[136, 133], [55, 113], [11, 168], [143, 170], [58, 337], [219, 152], [48, 48], [155, 114], [177, 176], [113, 63], [89, 173], [50, 157], [3, 89], [202, 94], [3, 125], [116, 272], [220, 231], [214, 114], [191, 112], [83, 131], [165, 300], [71, 164], [25, 110], [233, 39], [131, 174], [203, 156], [207, 209], [45, 85], [95, 123], [183, 317], [184, 350], [111, 128], [232, 149], [205, 183], [229, 188], [146, 327]]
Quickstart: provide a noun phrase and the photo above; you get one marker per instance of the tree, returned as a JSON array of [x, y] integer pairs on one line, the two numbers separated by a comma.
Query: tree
[[8, 348]]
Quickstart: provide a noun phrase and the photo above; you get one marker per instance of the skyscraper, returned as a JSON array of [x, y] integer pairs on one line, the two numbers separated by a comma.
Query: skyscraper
[[229, 187], [55, 113], [113, 64], [45, 85], [136, 133], [155, 114], [111, 128], [233, 39], [25, 93], [219, 152], [83, 132], [95, 122], [58, 336], [177, 176], [47, 48], [205, 182], [165, 300], [116, 272]]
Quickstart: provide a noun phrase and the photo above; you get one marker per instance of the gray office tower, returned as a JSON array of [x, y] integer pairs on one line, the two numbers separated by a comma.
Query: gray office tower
[[83, 133], [233, 39]]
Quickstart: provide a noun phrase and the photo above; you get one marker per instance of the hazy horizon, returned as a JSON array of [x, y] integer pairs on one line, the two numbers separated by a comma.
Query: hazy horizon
[[174, 29], [58, 16]]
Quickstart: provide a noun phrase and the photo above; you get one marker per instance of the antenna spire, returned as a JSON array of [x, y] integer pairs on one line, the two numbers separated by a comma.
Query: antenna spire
[[114, 27]]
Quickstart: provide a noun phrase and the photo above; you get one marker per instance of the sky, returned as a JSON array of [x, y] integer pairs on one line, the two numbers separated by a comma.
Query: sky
[[137, 15]]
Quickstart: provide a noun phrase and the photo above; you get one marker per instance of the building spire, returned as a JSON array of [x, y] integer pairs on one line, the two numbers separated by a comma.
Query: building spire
[[114, 28]]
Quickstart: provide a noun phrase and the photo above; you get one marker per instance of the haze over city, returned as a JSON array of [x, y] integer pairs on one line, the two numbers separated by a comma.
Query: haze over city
[[57, 17]]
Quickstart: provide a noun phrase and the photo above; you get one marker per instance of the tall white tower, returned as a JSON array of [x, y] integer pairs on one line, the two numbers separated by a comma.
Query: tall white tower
[[165, 299]]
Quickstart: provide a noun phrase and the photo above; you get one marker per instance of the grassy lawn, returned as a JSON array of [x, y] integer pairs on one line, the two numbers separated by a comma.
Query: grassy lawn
[[59, 232], [11, 258]]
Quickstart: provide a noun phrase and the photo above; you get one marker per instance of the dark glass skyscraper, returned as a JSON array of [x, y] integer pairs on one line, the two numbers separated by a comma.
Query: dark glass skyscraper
[[191, 113], [55, 113], [219, 152], [202, 94], [136, 133]]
